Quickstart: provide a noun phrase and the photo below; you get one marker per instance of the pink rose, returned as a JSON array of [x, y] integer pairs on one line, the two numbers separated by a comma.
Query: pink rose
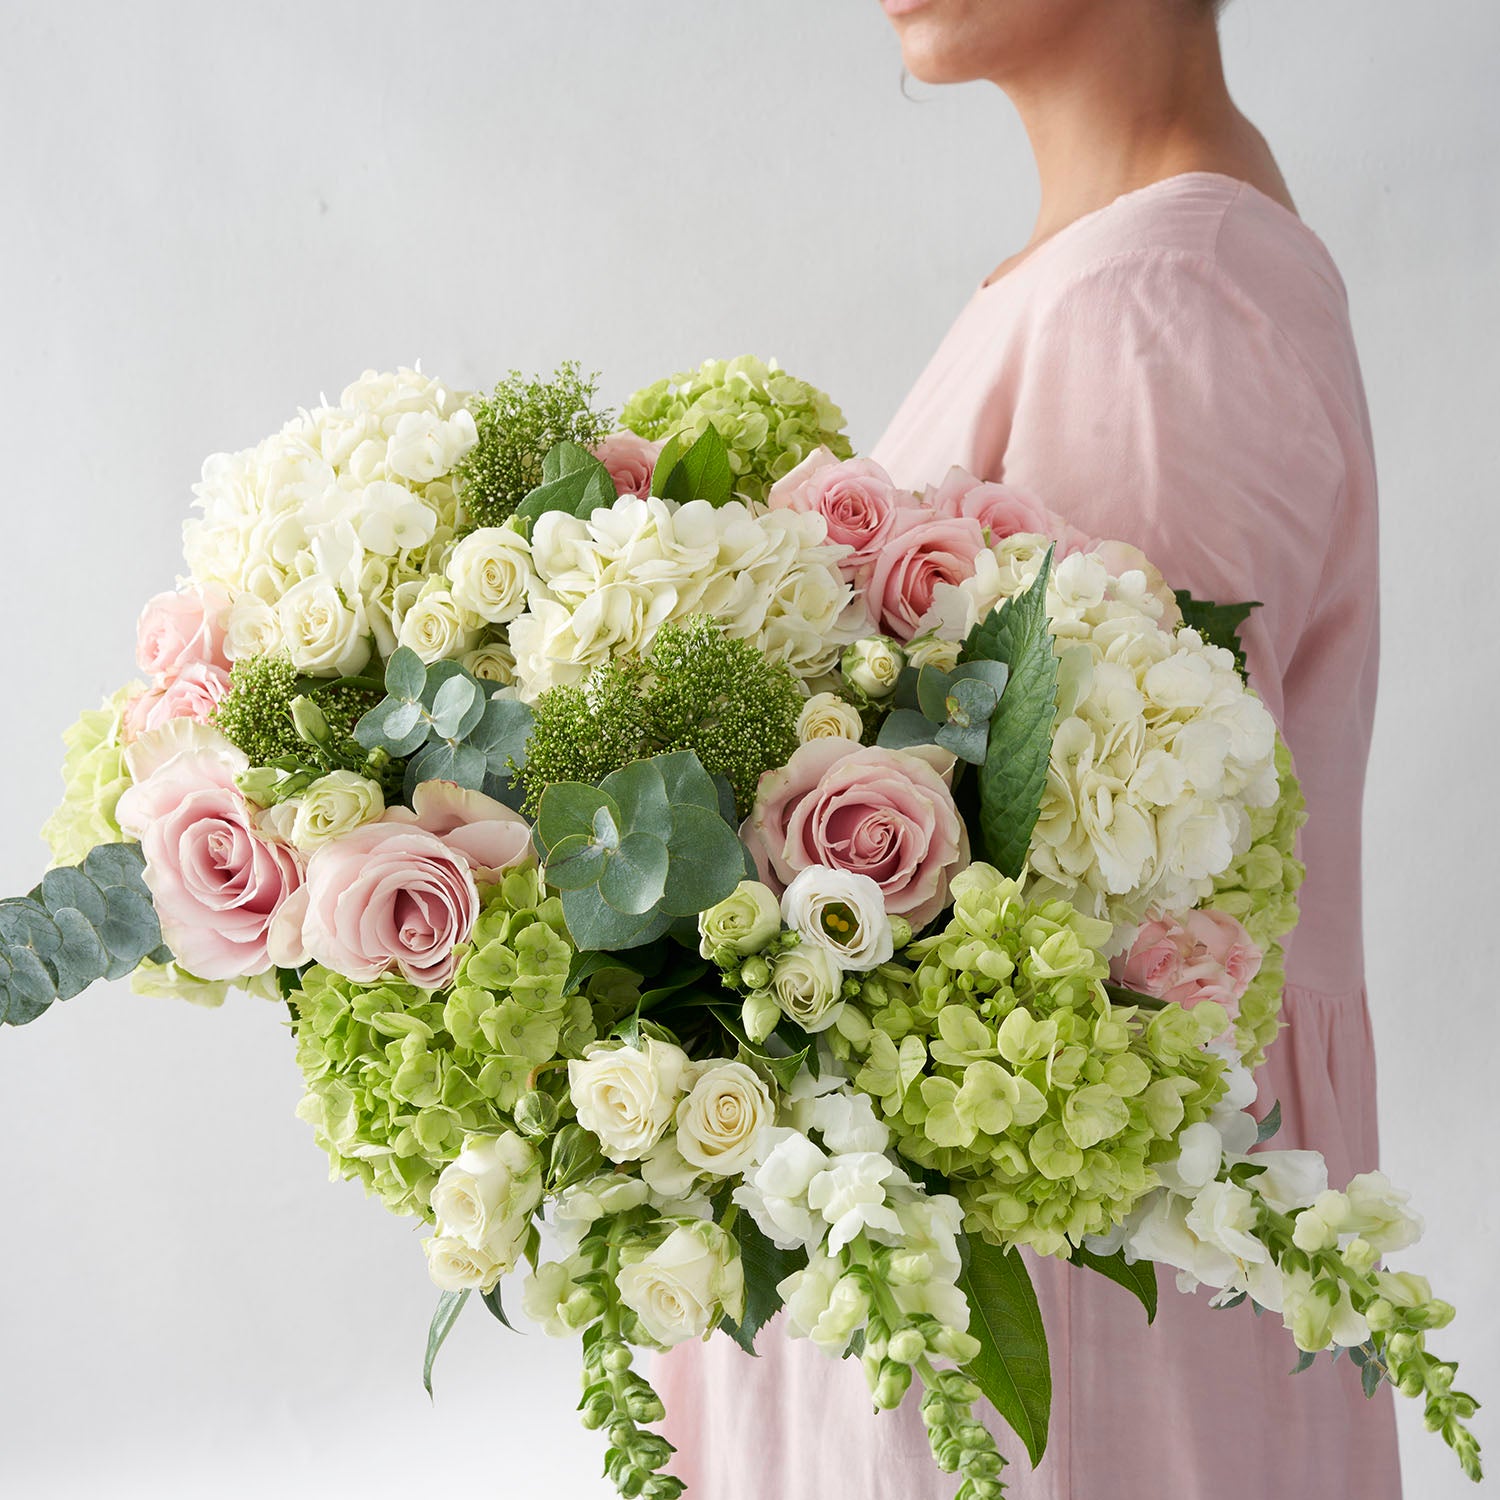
[[883, 813], [856, 498], [192, 693], [486, 833], [1004, 511], [1202, 955], [922, 552], [631, 462], [178, 630], [388, 896], [217, 885]]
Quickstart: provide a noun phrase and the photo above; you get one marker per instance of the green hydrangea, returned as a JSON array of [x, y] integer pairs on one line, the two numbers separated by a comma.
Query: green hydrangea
[[697, 690], [1260, 890], [997, 1058], [94, 777], [397, 1076], [769, 421]]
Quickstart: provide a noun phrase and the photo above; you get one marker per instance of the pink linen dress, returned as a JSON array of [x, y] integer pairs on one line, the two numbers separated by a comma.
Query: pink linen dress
[[1175, 370]]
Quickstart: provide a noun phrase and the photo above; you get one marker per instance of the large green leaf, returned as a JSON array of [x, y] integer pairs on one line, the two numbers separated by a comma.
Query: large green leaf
[[1014, 773], [450, 1304], [83, 923], [764, 1265], [1138, 1279], [1218, 624], [1012, 1367], [702, 472], [572, 480]]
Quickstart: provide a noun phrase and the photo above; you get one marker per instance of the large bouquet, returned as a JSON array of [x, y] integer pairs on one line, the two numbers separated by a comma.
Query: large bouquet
[[723, 882]]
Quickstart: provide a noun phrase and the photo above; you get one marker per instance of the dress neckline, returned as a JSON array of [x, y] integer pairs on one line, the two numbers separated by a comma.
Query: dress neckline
[[1160, 187]]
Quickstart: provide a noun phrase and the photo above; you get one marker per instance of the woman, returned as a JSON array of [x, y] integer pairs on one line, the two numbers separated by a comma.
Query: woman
[[1168, 361]]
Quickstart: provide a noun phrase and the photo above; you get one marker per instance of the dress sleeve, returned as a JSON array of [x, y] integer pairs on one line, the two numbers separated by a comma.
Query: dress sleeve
[[1152, 402]]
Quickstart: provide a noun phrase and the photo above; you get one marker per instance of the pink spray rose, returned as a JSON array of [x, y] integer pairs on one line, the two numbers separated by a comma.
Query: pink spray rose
[[856, 498], [883, 813], [921, 552], [217, 885], [388, 896], [182, 629], [631, 462], [193, 692], [486, 833], [1183, 959], [1004, 510]]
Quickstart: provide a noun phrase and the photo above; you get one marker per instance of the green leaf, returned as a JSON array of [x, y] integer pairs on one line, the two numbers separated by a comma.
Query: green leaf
[[666, 461], [570, 476], [641, 795], [784, 1068], [502, 732], [995, 673], [635, 874], [575, 863], [685, 780], [904, 727], [442, 760], [932, 693], [491, 1300], [1269, 1125], [1014, 773], [457, 707], [405, 675], [594, 923], [701, 473], [1011, 1367], [1218, 624], [568, 808], [764, 1265], [399, 719], [583, 966], [450, 1304], [1139, 1280], [707, 861]]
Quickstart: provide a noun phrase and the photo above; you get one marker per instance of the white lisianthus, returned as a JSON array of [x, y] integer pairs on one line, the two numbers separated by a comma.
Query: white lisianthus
[[807, 984], [487, 1195], [827, 716], [254, 629], [681, 1289], [332, 806], [627, 1096], [743, 922], [841, 913], [874, 666], [457, 1266], [323, 634], [428, 619], [424, 446], [719, 1121], [491, 573]]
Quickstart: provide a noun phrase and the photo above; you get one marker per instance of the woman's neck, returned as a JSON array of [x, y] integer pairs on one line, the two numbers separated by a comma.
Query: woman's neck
[[1105, 118]]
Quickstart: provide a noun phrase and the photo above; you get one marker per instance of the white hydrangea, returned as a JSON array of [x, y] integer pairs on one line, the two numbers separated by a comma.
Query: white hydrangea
[[1159, 747], [345, 509], [607, 585]]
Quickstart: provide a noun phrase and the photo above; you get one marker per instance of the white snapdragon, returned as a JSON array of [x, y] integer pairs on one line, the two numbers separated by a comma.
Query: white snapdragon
[[626, 1095], [850, 1194], [841, 913], [774, 1194], [824, 1305]]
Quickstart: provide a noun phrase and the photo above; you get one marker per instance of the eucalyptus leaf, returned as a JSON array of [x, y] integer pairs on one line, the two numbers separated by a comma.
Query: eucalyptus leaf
[[450, 1304], [457, 707], [707, 861], [405, 675], [575, 863], [635, 874], [593, 923], [568, 808], [932, 693], [441, 760], [905, 727]]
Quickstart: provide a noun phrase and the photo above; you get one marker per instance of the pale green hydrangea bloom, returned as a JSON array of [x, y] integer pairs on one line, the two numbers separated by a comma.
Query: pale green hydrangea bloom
[[769, 421], [1000, 1061], [1260, 890], [170, 981], [398, 1076], [94, 777]]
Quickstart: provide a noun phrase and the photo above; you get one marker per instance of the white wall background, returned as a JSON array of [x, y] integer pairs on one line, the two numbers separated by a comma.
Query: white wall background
[[209, 213]]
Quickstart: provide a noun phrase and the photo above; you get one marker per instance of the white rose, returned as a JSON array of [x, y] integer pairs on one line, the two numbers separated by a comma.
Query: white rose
[[841, 913], [627, 1096], [491, 573], [807, 984], [718, 1122], [874, 666], [254, 629], [827, 716], [681, 1289], [487, 1195], [332, 806], [743, 922], [324, 636], [457, 1266], [429, 620], [424, 446], [493, 662]]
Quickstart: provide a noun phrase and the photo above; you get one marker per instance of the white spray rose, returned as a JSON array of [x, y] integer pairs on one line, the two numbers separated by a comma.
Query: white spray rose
[[933, 651], [627, 1096], [743, 922], [827, 716], [254, 629], [487, 1195], [492, 662], [680, 1289], [807, 984], [332, 806], [457, 1266], [719, 1121], [874, 666], [429, 620], [323, 635], [841, 913], [491, 573]]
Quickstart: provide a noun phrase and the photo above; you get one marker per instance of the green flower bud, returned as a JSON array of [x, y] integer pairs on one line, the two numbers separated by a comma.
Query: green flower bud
[[891, 1388], [310, 721], [874, 666], [536, 1114], [901, 932], [907, 1346], [755, 973], [743, 922], [597, 1407]]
